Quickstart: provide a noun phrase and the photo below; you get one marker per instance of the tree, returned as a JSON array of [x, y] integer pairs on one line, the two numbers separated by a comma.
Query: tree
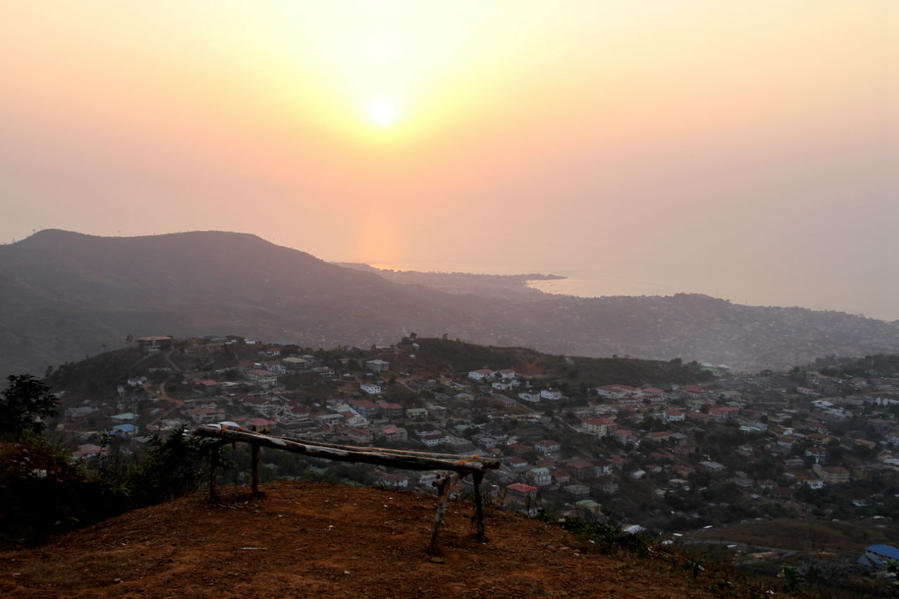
[[24, 404]]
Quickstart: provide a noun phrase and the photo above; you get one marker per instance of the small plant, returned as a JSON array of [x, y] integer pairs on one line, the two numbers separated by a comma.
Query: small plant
[[790, 574], [694, 567]]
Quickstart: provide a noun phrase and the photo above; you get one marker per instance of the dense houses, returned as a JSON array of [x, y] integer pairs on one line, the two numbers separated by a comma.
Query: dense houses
[[690, 453]]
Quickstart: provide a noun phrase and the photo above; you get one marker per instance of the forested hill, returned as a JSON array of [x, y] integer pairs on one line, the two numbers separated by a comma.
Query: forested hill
[[65, 295]]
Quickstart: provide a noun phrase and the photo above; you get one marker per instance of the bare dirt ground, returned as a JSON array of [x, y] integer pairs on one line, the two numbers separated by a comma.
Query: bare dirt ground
[[316, 540]]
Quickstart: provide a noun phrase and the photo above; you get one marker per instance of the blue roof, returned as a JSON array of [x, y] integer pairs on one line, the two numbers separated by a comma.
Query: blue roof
[[124, 428], [887, 551]]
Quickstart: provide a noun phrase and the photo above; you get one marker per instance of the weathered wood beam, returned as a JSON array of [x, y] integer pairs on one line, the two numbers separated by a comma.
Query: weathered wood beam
[[443, 486], [413, 461], [255, 466], [213, 466], [388, 450], [479, 504]]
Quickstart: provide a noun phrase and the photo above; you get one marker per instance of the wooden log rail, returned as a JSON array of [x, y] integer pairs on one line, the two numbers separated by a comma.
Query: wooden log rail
[[461, 465]]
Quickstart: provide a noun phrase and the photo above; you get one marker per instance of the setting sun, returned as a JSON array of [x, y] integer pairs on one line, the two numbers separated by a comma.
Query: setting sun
[[382, 111]]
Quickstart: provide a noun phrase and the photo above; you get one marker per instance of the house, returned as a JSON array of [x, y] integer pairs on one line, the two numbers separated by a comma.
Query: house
[[521, 491], [577, 490], [123, 429], [507, 374], [417, 413], [431, 438], [672, 415], [581, 469], [540, 477], [588, 506], [615, 392], [551, 394], [546, 446], [294, 363], [832, 475], [391, 479], [480, 375], [529, 397], [377, 365], [879, 556], [330, 420], [516, 464], [598, 427], [365, 407], [391, 432], [352, 418], [360, 435], [390, 409], [723, 414], [154, 344], [653, 394], [276, 367], [262, 377], [607, 484], [370, 388]]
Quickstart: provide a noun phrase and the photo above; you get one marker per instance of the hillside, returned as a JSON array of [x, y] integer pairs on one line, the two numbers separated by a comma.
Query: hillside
[[64, 295], [310, 540]]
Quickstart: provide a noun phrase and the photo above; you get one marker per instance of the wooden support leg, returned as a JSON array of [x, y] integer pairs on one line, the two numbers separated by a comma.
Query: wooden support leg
[[213, 465], [479, 504], [442, 491], [255, 481]]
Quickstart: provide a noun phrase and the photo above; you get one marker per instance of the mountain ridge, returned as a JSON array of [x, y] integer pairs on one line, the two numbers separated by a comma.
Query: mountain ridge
[[64, 295]]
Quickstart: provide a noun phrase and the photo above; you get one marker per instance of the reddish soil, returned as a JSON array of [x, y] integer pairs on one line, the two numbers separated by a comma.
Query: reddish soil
[[315, 540]]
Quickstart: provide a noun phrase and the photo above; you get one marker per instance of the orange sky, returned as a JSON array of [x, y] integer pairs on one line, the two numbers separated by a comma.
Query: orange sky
[[743, 149]]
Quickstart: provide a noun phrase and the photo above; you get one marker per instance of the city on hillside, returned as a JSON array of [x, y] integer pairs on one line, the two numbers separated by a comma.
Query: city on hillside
[[713, 448]]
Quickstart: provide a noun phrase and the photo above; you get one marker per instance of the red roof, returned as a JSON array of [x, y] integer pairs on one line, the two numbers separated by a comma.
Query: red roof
[[521, 488]]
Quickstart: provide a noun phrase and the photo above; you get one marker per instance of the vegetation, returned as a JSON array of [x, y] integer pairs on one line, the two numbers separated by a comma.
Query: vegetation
[[42, 491], [24, 405]]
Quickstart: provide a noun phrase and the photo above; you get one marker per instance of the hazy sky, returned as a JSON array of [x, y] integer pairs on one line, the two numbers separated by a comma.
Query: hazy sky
[[745, 149]]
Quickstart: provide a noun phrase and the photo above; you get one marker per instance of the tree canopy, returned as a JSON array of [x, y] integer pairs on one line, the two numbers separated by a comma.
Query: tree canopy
[[24, 404]]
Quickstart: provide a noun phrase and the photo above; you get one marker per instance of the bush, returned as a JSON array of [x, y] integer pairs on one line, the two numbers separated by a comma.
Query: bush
[[24, 404]]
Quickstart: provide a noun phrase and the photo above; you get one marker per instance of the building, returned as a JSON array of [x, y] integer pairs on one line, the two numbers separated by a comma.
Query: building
[[377, 365], [540, 477], [547, 446], [370, 388], [879, 556], [598, 426], [480, 375], [154, 344]]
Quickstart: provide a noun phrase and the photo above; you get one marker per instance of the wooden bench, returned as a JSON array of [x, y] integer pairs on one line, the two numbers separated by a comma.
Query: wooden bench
[[453, 464]]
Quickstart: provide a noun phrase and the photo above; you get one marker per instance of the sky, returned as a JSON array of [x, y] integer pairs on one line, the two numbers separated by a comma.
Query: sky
[[746, 149]]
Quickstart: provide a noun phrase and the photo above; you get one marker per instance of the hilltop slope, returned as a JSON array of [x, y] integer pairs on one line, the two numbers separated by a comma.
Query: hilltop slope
[[312, 540], [64, 295]]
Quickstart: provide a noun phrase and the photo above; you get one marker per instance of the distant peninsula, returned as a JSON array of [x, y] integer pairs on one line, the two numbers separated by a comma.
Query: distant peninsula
[[509, 287]]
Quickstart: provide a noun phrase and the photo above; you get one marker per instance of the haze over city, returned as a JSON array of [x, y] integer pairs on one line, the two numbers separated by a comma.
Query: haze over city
[[746, 150]]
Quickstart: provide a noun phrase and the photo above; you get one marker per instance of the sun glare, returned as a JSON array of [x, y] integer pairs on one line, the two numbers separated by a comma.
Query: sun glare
[[382, 111]]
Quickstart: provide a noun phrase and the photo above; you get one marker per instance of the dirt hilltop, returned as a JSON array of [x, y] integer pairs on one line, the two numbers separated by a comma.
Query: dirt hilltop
[[316, 540]]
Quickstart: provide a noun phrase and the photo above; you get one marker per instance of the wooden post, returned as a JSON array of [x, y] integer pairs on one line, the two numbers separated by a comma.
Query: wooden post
[[479, 504], [442, 490], [255, 482], [213, 465]]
